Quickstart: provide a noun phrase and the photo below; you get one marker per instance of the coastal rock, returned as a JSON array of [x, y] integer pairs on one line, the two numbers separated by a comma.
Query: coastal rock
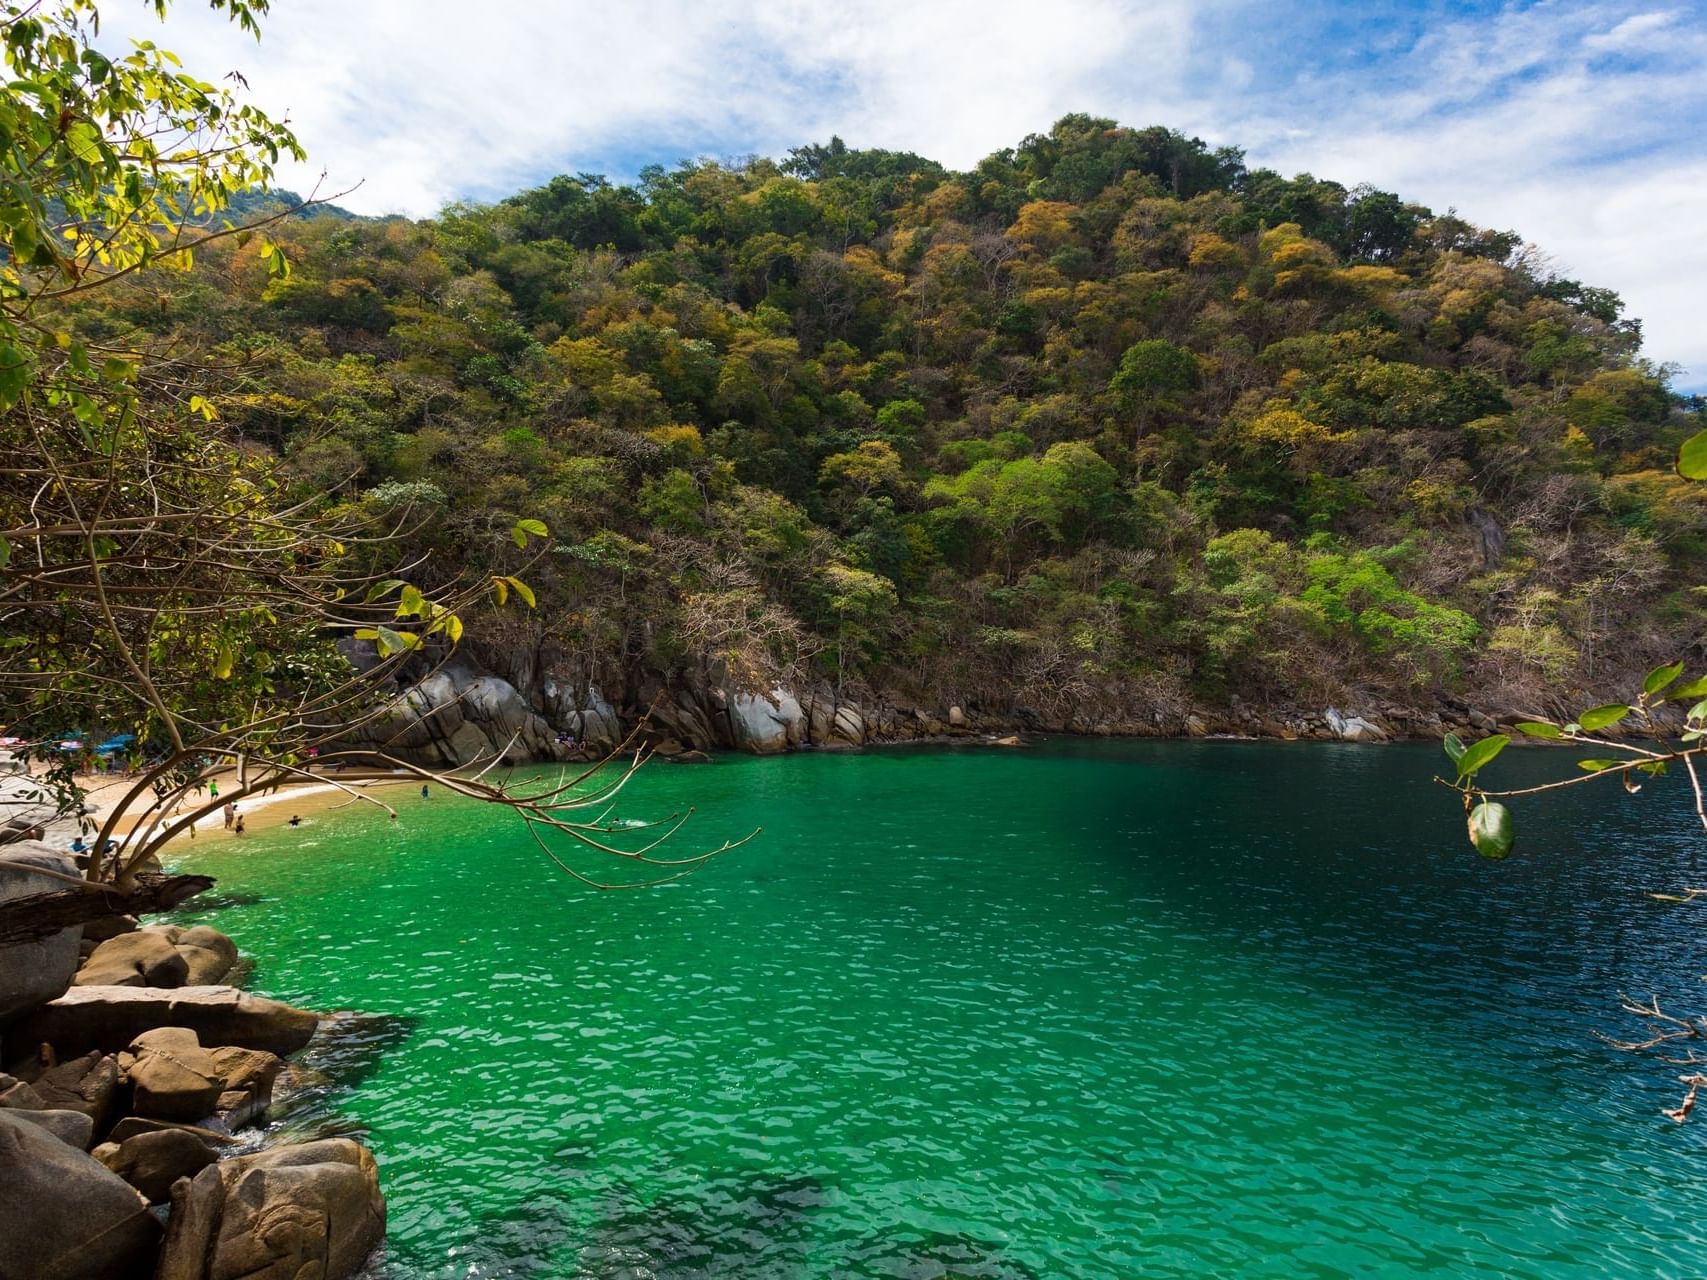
[[766, 724], [587, 716], [313, 1209], [956, 718], [20, 1094], [71, 1127], [109, 1018], [64, 1215], [208, 953], [456, 716], [34, 972], [247, 1076], [189, 1228], [172, 1077], [1352, 728], [87, 1084], [130, 1126], [146, 958], [152, 1162]]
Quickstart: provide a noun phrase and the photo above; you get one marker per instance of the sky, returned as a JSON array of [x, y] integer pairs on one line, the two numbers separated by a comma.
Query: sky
[[1581, 125]]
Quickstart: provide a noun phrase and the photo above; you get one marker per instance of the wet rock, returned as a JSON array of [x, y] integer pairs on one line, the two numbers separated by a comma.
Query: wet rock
[[64, 1215], [110, 1018], [152, 1162], [314, 1209], [130, 1126], [34, 972], [145, 958], [956, 718], [247, 1076], [172, 1077]]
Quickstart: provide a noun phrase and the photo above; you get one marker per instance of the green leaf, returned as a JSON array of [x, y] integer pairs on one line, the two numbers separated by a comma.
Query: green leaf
[[1596, 718], [396, 641], [524, 527], [223, 663], [1660, 677], [1540, 729], [523, 590], [1654, 768], [1454, 747], [1479, 754], [5, 553], [379, 589], [501, 589], [1698, 711], [1696, 688], [1492, 831], [453, 628], [1598, 766], [84, 141], [1692, 458], [411, 603]]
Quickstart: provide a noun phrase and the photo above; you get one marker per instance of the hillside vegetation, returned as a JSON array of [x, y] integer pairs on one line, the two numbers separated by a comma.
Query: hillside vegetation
[[1111, 426]]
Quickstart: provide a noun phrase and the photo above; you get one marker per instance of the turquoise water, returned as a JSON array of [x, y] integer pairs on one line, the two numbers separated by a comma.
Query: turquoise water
[[1090, 1009]]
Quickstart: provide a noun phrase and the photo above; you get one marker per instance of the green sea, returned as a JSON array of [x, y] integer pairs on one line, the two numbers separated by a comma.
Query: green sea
[[1085, 1009]]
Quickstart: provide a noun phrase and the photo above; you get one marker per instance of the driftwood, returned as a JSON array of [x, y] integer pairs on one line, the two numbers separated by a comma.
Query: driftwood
[[39, 915]]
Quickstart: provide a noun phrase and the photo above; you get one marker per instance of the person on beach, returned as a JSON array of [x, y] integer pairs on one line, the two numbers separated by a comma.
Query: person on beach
[[230, 814], [238, 829], [295, 820], [423, 791], [77, 845], [212, 790]]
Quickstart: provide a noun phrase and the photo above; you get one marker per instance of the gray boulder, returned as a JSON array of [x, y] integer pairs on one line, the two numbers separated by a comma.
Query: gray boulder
[[109, 1018], [766, 723], [71, 1127], [145, 958], [64, 1216], [32, 973], [1352, 728]]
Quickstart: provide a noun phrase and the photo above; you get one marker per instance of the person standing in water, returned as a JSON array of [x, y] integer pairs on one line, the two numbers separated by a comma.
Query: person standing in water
[[230, 814], [423, 791], [238, 829]]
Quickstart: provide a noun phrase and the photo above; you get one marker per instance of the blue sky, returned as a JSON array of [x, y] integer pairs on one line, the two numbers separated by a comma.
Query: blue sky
[[1583, 126]]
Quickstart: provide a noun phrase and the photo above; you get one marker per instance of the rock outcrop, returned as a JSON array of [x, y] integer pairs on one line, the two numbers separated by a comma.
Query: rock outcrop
[[457, 716], [766, 723], [109, 1018], [151, 1162], [32, 972], [311, 1210], [171, 1076], [65, 1215], [160, 956]]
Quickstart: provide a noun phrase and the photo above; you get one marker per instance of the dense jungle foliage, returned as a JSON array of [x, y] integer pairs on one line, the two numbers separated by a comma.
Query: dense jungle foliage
[[1112, 423]]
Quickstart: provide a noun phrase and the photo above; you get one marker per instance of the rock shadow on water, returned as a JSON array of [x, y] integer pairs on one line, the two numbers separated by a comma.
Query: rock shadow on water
[[345, 1051], [741, 1224]]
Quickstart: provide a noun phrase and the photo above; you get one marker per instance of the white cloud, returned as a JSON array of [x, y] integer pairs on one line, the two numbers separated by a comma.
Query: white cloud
[[1574, 123]]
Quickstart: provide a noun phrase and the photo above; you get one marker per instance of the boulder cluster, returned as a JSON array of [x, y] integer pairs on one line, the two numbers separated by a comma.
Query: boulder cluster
[[130, 1070]]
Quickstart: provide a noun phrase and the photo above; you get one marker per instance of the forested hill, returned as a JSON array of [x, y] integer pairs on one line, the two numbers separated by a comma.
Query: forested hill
[[1109, 426]]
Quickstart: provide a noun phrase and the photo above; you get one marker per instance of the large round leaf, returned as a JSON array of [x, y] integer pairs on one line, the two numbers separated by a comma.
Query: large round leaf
[[1492, 830]]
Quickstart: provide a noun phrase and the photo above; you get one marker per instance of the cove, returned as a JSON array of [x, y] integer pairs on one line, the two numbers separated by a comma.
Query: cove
[[1092, 1008]]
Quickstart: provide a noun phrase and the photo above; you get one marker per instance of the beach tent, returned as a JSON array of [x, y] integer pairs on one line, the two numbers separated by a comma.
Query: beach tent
[[118, 742]]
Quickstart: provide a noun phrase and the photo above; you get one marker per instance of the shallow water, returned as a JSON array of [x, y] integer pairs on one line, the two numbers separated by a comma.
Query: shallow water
[[1090, 1009]]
